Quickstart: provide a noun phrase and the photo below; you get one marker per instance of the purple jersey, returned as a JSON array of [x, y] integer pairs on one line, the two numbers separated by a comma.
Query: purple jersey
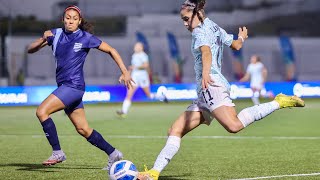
[[70, 51]]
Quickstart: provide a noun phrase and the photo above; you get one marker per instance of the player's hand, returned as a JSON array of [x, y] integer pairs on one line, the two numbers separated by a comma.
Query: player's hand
[[126, 79], [131, 68], [47, 34], [243, 32], [206, 81]]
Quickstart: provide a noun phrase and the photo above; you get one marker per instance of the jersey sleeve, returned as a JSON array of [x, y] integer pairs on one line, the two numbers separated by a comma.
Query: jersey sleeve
[[51, 38], [145, 58], [226, 38], [94, 42], [200, 38], [249, 69]]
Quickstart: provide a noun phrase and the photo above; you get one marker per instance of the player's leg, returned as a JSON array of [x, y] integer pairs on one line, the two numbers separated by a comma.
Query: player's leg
[[144, 83], [233, 122], [187, 121], [50, 105], [79, 121], [127, 101], [146, 91], [216, 98], [255, 95]]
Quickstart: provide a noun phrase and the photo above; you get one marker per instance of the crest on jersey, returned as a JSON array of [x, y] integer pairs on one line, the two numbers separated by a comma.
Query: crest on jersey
[[77, 47]]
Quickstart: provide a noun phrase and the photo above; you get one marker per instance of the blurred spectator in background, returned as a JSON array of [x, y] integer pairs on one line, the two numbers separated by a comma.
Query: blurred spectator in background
[[288, 57], [178, 61], [20, 78], [238, 70]]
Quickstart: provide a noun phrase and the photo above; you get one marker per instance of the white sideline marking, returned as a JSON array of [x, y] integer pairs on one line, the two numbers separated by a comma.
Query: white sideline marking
[[280, 176], [187, 137]]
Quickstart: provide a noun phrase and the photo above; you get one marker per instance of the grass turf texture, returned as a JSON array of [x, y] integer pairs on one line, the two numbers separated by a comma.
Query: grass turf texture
[[254, 152]]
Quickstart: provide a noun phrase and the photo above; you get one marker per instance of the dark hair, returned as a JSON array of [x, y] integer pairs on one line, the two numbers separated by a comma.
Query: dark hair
[[196, 6], [85, 25]]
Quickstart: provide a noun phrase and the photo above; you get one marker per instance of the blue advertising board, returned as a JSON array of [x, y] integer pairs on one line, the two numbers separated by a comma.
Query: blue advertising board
[[34, 95]]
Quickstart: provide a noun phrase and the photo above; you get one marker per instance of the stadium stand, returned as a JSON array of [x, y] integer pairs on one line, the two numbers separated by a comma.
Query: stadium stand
[[155, 19]]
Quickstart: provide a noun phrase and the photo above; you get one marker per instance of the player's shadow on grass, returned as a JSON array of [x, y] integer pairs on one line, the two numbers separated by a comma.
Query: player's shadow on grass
[[180, 177], [40, 167]]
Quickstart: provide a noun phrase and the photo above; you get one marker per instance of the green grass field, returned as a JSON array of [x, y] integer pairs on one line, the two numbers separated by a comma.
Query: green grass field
[[285, 143]]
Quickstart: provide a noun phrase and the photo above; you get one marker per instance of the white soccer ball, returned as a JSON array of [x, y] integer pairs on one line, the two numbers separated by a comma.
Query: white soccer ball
[[123, 170]]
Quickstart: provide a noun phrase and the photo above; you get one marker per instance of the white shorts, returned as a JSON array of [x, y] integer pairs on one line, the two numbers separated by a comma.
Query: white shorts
[[209, 100], [257, 86], [141, 81]]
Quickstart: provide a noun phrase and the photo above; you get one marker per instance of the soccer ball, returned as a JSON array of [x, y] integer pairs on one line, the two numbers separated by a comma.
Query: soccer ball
[[123, 170]]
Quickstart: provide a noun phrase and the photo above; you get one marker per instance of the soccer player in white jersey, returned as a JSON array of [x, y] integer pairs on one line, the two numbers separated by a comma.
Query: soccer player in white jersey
[[139, 73], [257, 73], [212, 87]]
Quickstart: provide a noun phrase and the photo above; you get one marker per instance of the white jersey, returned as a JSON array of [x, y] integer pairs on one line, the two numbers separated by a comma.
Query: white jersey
[[138, 59], [256, 75], [210, 34]]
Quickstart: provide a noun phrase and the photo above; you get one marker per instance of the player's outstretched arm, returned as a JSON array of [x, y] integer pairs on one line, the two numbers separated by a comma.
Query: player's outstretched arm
[[125, 77], [245, 78], [242, 36], [39, 43], [264, 74]]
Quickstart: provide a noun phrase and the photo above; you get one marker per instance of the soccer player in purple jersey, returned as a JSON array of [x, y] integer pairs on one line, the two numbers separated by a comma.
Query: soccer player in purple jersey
[[70, 46]]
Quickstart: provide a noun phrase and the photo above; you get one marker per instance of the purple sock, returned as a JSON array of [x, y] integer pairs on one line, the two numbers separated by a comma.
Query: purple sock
[[51, 133], [97, 140]]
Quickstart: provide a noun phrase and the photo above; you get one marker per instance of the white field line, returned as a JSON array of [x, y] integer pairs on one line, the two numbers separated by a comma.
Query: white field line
[[279, 176], [187, 137]]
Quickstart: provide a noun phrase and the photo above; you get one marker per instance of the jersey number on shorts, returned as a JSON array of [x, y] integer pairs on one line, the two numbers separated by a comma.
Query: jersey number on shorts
[[207, 98]]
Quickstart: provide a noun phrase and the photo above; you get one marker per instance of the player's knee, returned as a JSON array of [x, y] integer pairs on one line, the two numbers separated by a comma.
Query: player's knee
[[169, 131], [85, 132], [41, 113], [175, 131], [234, 127]]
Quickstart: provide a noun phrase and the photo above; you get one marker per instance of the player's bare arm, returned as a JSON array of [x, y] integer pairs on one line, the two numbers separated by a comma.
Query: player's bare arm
[[39, 43], [242, 36], [245, 78], [264, 74], [206, 61], [125, 77]]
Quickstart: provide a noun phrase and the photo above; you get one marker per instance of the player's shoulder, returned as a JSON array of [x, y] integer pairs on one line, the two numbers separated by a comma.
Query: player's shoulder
[[206, 27], [55, 30], [260, 64], [87, 34], [144, 54]]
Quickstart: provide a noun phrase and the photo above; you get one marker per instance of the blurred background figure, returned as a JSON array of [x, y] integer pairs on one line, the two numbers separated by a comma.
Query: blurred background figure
[[288, 57], [139, 72], [237, 62], [257, 73], [177, 60]]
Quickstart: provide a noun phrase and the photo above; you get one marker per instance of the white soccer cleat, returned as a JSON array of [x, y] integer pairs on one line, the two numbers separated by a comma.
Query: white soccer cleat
[[113, 158], [56, 157]]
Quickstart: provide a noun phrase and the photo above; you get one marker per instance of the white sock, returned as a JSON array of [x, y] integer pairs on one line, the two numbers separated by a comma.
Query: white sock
[[125, 106], [170, 149], [257, 112], [255, 100]]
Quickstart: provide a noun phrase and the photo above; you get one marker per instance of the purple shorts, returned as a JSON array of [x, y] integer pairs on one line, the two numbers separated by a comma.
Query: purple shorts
[[71, 98]]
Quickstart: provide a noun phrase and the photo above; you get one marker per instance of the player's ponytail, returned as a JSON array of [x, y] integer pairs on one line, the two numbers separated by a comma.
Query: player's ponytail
[[196, 6], [86, 26]]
